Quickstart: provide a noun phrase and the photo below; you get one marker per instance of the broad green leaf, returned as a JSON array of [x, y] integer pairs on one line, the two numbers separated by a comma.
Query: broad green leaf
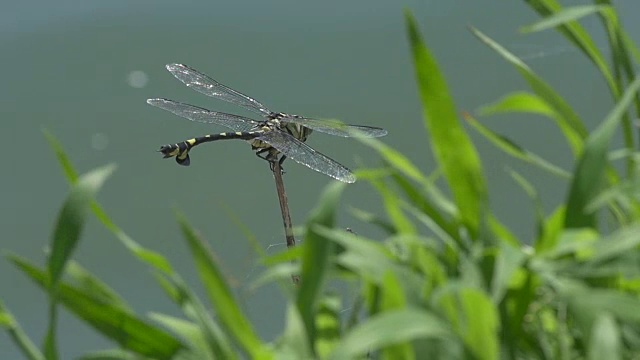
[[551, 230], [393, 298], [566, 119], [328, 325], [451, 146], [389, 328], [508, 262], [188, 332], [605, 342], [111, 321], [621, 242], [113, 354], [216, 287], [294, 343], [474, 317], [315, 257], [511, 148], [592, 164]]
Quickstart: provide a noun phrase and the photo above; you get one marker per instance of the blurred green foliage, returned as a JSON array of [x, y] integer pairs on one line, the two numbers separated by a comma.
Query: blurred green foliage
[[448, 280]]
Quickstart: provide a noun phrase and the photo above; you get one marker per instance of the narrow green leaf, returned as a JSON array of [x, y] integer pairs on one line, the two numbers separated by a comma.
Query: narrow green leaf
[[371, 218], [562, 17], [566, 119], [511, 148], [188, 332], [328, 325], [519, 102], [194, 310], [150, 257], [388, 328], [90, 284], [592, 165], [72, 217], [565, 22], [111, 321], [391, 202], [220, 294], [430, 205], [18, 336], [315, 257], [451, 146]]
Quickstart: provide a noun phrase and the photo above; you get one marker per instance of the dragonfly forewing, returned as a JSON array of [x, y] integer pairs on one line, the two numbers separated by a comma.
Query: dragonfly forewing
[[206, 85], [198, 114]]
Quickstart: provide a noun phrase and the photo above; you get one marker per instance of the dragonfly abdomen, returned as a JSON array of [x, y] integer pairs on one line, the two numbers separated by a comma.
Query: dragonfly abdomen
[[181, 150]]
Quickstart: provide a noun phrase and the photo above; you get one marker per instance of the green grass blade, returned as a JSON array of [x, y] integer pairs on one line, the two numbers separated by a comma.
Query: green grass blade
[[566, 119], [511, 148], [563, 17], [188, 332], [315, 257], [389, 328], [150, 257], [71, 219], [399, 221], [22, 341], [90, 284], [451, 146], [111, 321], [521, 102], [592, 165], [193, 309], [220, 295], [66, 234], [565, 21], [474, 318]]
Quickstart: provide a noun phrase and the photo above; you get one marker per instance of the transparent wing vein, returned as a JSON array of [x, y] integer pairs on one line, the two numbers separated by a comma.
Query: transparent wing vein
[[206, 85], [194, 113], [305, 155], [337, 128]]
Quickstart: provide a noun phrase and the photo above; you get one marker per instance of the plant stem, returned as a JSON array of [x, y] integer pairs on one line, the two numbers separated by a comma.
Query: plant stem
[[276, 168]]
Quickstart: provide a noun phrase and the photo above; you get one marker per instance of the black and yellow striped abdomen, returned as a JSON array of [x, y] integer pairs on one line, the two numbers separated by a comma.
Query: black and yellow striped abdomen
[[181, 150]]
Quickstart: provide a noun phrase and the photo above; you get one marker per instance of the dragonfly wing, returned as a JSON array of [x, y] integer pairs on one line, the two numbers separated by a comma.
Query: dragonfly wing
[[334, 127], [305, 155], [198, 114], [206, 85]]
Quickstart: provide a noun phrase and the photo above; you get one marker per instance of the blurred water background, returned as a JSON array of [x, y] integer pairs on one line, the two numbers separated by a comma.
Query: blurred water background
[[83, 69]]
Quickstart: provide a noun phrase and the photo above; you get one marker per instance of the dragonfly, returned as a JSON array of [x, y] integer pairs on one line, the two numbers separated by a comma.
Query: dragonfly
[[274, 138]]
